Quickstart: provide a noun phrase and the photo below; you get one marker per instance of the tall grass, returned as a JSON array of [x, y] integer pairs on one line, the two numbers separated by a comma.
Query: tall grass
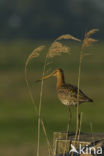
[[87, 41], [35, 54], [57, 49]]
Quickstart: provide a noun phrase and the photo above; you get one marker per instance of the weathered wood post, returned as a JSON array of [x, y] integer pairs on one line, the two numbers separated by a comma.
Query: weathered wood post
[[62, 143]]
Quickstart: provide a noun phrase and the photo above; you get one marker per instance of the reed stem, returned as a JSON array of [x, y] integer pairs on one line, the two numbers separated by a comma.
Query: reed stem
[[36, 111]]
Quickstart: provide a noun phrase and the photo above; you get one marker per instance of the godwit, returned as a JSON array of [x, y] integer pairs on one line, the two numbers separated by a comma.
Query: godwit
[[67, 93]]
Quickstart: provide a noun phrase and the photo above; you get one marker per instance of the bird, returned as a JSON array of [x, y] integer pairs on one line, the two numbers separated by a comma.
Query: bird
[[66, 92]]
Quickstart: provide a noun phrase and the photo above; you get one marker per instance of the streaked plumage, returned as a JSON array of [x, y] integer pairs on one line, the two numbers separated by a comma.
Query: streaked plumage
[[67, 94]]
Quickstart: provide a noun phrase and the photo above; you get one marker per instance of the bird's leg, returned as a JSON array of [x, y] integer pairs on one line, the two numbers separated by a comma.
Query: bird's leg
[[70, 118]]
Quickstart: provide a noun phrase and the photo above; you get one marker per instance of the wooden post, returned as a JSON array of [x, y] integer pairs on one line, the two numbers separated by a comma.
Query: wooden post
[[62, 142]]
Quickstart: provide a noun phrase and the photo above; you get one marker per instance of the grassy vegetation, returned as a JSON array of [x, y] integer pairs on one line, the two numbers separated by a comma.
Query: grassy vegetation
[[17, 127]]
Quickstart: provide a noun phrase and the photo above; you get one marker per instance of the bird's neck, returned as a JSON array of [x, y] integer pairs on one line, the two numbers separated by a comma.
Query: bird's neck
[[60, 80]]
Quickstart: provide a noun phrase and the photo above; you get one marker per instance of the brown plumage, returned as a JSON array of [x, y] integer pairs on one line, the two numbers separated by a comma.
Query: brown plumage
[[67, 93]]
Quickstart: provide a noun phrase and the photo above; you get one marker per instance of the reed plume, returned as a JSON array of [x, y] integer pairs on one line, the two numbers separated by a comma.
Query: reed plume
[[35, 53], [91, 32], [57, 48], [68, 37]]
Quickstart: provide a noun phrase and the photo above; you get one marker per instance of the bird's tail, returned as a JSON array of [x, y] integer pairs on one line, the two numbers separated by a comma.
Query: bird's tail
[[90, 100]]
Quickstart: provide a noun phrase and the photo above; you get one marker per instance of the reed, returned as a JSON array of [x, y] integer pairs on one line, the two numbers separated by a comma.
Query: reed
[[35, 53], [57, 48], [87, 41]]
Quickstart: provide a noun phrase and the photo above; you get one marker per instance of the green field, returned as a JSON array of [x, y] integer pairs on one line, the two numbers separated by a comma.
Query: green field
[[18, 123]]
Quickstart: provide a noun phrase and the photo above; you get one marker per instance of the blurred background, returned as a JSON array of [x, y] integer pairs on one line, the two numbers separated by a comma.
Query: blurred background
[[25, 25]]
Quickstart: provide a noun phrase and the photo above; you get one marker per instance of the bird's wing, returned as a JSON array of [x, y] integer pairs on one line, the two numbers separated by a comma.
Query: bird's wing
[[72, 91]]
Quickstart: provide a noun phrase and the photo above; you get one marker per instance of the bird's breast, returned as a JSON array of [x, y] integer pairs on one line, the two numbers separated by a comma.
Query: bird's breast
[[65, 96]]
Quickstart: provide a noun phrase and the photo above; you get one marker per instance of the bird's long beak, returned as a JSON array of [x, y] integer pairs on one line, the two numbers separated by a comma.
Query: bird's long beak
[[45, 77]]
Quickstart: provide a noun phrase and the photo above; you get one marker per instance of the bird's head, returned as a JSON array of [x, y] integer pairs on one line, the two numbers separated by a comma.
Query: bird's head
[[56, 73]]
